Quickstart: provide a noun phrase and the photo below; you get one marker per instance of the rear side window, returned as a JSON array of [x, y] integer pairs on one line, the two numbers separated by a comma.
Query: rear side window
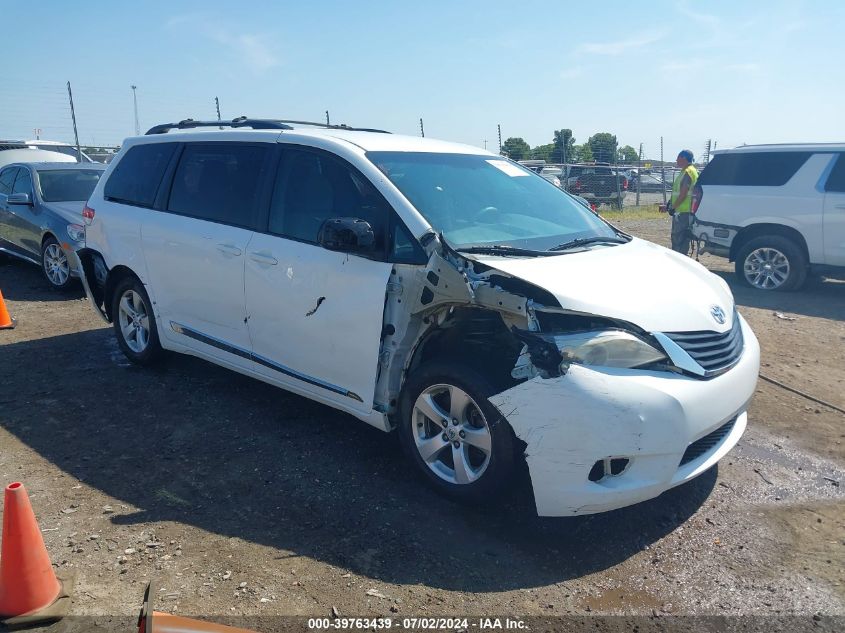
[[219, 182], [753, 169], [7, 177], [136, 178], [836, 180]]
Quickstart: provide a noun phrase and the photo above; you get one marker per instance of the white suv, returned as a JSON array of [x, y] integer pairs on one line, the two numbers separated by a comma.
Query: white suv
[[777, 211], [431, 288]]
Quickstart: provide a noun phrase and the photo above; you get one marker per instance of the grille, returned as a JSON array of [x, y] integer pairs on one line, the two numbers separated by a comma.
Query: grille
[[706, 443], [715, 352]]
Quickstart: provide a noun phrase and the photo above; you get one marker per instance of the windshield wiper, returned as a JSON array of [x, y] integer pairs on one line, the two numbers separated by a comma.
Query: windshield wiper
[[583, 241], [501, 249]]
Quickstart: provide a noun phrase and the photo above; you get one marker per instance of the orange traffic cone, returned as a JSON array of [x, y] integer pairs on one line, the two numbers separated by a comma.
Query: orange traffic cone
[[6, 321], [150, 621], [30, 592]]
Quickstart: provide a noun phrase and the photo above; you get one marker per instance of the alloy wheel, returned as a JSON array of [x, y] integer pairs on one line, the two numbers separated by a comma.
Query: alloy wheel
[[56, 265], [134, 321], [451, 434], [766, 268]]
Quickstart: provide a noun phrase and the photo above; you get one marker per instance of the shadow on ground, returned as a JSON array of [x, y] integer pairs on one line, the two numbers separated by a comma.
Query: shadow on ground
[[820, 297], [22, 281], [193, 443]]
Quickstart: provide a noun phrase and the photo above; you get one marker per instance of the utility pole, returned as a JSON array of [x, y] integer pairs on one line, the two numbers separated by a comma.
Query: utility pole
[[485, 143], [422, 129], [639, 172], [73, 116], [328, 122], [662, 172], [37, 133], [500, 138], [135, 101]]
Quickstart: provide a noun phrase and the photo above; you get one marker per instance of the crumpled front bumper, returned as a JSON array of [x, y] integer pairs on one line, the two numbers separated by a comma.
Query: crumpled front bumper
[[650, 418]]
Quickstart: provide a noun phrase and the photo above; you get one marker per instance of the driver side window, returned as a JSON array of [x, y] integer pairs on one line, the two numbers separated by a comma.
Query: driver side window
[[23, 183], [312, 187]]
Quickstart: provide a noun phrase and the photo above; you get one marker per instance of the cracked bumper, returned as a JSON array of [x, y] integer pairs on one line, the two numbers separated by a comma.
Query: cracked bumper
[[650, 418]]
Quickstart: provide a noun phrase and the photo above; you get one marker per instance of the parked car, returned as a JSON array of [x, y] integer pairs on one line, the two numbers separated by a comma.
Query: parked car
[[41, 214], [62, 148], [651, 183], [17, 153], [597, 183], [776, 211], [552, 174], [430, 288]]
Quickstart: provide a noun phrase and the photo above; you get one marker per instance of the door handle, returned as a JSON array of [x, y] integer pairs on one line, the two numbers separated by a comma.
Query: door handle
[[264, 258], [229, 249]]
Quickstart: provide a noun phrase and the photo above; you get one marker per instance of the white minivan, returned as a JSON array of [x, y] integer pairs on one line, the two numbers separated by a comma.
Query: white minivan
[[430, 288], [776, 211]]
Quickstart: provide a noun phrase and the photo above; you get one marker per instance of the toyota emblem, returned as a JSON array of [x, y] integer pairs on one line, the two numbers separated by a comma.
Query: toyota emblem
[[718, 314]]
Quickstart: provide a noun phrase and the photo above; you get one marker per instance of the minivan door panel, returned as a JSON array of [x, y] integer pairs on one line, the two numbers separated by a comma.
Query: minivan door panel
[[315, 318]]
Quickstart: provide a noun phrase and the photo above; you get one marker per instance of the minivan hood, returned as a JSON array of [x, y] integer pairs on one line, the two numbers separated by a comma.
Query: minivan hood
[[70, 211], [638, 282]]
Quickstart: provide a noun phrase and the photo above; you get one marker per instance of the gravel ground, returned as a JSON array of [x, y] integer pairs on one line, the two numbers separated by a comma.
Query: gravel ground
[[239, 499]]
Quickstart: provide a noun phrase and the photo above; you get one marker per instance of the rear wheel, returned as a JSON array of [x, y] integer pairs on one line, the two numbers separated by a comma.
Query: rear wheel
[[134, 322], [771, 262], [459, 442]]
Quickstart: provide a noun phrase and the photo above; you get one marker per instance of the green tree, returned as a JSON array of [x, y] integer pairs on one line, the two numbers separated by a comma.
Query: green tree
[[603, 146], [583, 153], [628, 154], [543, 152], [516, 148], [563, 144]]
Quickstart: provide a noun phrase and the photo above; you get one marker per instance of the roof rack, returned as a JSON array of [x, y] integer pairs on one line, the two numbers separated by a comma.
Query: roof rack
[[255, 124]]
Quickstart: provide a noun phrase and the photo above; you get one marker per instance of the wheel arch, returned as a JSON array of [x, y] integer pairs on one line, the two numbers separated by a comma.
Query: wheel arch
[[114, 277], [759, 230]]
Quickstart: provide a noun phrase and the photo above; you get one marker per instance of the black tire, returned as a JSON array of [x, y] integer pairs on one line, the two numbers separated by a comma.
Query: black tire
[[152, 351], [791, 252], [51, 245], [498, 474]]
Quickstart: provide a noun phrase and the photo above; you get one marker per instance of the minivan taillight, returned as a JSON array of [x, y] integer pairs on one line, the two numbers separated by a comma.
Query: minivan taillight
[[697, 195], [88, 214]]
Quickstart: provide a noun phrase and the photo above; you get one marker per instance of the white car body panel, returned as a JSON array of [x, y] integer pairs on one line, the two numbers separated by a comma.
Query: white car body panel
[[197, 271], [271, 315], [648, 417], [834, 228], [676, 292], [316, 313]]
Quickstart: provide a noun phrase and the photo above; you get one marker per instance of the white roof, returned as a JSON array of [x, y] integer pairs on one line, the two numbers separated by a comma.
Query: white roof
[[366, 141], [27, 155], [786, 147]]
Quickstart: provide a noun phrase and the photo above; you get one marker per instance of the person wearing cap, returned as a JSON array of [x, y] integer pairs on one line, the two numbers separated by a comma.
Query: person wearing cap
[[681, 202]]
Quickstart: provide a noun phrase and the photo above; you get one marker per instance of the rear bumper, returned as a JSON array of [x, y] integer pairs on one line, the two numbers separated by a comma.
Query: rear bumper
[[650, 418]]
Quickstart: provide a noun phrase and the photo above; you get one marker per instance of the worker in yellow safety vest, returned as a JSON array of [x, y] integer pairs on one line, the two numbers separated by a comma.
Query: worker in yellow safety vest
[[681, 202]]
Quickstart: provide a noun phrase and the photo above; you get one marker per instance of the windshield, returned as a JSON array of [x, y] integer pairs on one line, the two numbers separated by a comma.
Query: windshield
[[479, 200], [68, 185]]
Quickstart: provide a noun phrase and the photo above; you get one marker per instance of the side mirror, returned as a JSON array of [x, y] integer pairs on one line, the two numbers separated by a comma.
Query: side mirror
[[19, 198], [348, 235]]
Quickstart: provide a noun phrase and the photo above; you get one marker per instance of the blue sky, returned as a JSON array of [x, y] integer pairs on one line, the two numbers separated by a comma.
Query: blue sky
[[735, 72]]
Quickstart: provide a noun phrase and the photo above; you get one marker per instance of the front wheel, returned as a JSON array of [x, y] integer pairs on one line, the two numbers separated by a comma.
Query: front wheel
[[771, 262], [55, 264], [134, 322], [459, 442]]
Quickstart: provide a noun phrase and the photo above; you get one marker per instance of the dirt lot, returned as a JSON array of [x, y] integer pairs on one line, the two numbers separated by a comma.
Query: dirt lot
[[241, 499]]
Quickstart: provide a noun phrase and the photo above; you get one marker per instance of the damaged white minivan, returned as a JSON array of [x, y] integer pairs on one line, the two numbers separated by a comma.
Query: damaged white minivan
[[430, 288]]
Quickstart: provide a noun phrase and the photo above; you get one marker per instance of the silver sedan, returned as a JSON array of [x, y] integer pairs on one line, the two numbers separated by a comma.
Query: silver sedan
[[41, 213]]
